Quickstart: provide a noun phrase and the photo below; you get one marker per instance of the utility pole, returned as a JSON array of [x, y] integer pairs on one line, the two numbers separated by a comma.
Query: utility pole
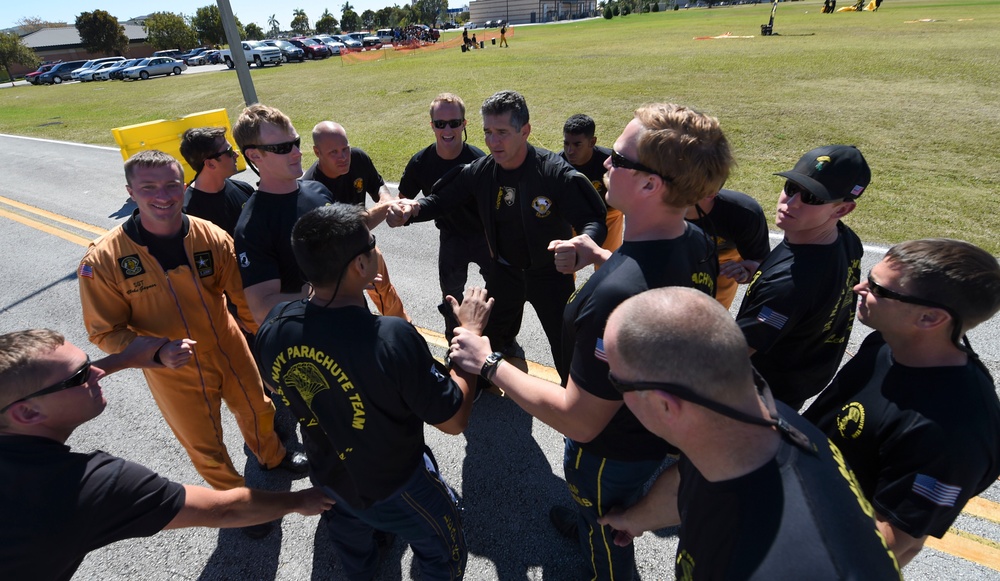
[[236, 52]]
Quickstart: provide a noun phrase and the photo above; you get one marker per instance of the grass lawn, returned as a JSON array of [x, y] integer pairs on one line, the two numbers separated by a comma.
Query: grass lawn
[[919, 98]]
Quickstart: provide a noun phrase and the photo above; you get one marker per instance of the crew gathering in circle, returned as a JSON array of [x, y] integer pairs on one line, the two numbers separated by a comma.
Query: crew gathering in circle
[[675, 412]]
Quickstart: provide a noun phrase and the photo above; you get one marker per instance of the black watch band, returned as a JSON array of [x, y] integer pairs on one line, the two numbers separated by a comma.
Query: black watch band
[[489, 369]]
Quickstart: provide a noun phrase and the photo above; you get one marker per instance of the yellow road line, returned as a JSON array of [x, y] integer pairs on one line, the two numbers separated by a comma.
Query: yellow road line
[[68, 236], [55, 217], [982, 508], [969, 547]]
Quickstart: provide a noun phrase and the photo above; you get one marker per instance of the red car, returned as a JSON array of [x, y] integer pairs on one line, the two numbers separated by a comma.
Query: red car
[[33, 76]]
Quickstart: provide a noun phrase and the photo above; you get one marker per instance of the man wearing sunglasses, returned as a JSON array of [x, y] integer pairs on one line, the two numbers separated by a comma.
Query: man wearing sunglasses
[[58, 504], [609, 456], [527, 197], [461, 231], [271, 146], [363, 387], [213, 195], [799, 307], [915, 412], [580, 149], [759, 493], [168, 275], [349, 173]]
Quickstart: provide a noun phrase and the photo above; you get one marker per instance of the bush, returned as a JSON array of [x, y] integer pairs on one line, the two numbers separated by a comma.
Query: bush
[[616, 11], [607, 13], [656, 6]]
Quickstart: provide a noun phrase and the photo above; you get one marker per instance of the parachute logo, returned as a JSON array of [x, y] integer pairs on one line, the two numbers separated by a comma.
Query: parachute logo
[[307, 380]]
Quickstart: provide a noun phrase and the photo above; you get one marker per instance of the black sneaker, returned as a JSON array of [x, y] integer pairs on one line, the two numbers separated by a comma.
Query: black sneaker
[[565, 521], [258, 531], [294, 462]]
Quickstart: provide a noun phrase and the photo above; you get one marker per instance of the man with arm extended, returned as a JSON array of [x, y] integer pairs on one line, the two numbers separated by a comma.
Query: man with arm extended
[[915, 412], [363, 387], [609, 456], [58, 504], [461, 231], [799, 308], [267, 266], [580, 149], [349, 173], [759, 493], [527, 197], [168, 275]]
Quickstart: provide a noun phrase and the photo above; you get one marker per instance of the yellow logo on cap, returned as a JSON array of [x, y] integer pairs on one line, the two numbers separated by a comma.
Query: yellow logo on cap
[[822, 161]]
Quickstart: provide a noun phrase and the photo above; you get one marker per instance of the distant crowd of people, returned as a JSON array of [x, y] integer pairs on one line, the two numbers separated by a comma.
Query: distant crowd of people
[[674, 411]]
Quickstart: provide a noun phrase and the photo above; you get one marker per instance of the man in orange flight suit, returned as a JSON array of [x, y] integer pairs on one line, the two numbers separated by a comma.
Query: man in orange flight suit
[[163, 274]]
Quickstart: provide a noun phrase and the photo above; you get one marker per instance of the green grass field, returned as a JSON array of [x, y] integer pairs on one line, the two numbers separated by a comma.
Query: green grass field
[[919, 98]]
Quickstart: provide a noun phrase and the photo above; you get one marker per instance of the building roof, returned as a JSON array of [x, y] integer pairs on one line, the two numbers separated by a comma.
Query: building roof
[[70, 36]]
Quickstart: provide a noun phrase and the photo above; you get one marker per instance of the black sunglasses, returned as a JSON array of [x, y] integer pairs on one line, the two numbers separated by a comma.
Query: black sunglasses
[[228, 151], [957, 337], [278, 148], [79, 377], [793, 189], [684, 392], [366, 250], [619, 160], [453, 123]]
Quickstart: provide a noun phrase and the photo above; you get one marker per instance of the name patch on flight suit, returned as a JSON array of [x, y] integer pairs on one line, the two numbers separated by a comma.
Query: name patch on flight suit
[[131, 266], [203, 262]]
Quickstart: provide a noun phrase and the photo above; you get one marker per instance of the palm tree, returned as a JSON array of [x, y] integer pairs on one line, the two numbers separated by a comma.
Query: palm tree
[[273, 23], [347, 6]]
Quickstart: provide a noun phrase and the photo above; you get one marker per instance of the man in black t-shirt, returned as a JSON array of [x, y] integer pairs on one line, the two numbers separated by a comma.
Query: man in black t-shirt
[[263, 250], [759, 493], [212, 195], [580, 149], [798, 311], [737, 224], [609, 456], [349, 173], [527, 197], [58, 504], [915, 412], [363, 387], [462, 239]]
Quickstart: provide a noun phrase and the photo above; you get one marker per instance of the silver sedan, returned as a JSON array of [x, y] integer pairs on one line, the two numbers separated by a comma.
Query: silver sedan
[[160, 65]]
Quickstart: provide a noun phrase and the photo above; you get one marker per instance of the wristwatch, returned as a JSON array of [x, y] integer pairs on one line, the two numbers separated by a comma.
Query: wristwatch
[[489, 369]]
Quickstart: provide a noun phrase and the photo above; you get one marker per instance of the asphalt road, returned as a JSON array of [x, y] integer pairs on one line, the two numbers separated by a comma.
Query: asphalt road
[[55, 197]]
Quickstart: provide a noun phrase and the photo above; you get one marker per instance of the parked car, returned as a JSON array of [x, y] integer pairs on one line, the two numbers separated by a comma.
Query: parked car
[[386, 35], [448, 26], [209, 57], [59, 73], [88, 74], [335, 46], [186, 57], [470, 25], [32, 77], [91, 63], [367, 40], [160, 65], [115, 71], [172, 53], [350, 43], [314, 49], [289, 52], [256, 53]]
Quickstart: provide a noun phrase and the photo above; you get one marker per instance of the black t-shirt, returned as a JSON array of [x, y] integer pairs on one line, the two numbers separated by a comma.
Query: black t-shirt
[[167, 250], [737, 221], [632, 269], [424, 169], [594, 170], [220, 208], [363, 386], [795, 517], [798, 313], [264, 235], [59, 505], [512, 247], [921, 440], [350, 188]]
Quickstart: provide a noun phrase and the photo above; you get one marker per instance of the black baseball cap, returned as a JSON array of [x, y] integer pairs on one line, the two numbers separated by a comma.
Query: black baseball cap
[[832, 172]]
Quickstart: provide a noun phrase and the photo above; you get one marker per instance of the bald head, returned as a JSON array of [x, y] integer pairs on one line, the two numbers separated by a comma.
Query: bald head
[[332, 149], [683, 336]]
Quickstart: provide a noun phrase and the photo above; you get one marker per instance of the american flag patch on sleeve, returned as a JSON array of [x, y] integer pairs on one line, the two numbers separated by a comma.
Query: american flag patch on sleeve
[[937, 492], [770, 317], [599, 350], [85, 270]]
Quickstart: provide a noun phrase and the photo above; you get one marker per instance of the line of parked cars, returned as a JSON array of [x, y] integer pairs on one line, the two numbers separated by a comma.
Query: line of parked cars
[[103, 69]]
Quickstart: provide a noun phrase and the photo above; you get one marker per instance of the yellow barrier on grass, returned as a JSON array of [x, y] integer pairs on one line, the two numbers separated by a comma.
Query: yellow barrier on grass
[[165, 135]]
